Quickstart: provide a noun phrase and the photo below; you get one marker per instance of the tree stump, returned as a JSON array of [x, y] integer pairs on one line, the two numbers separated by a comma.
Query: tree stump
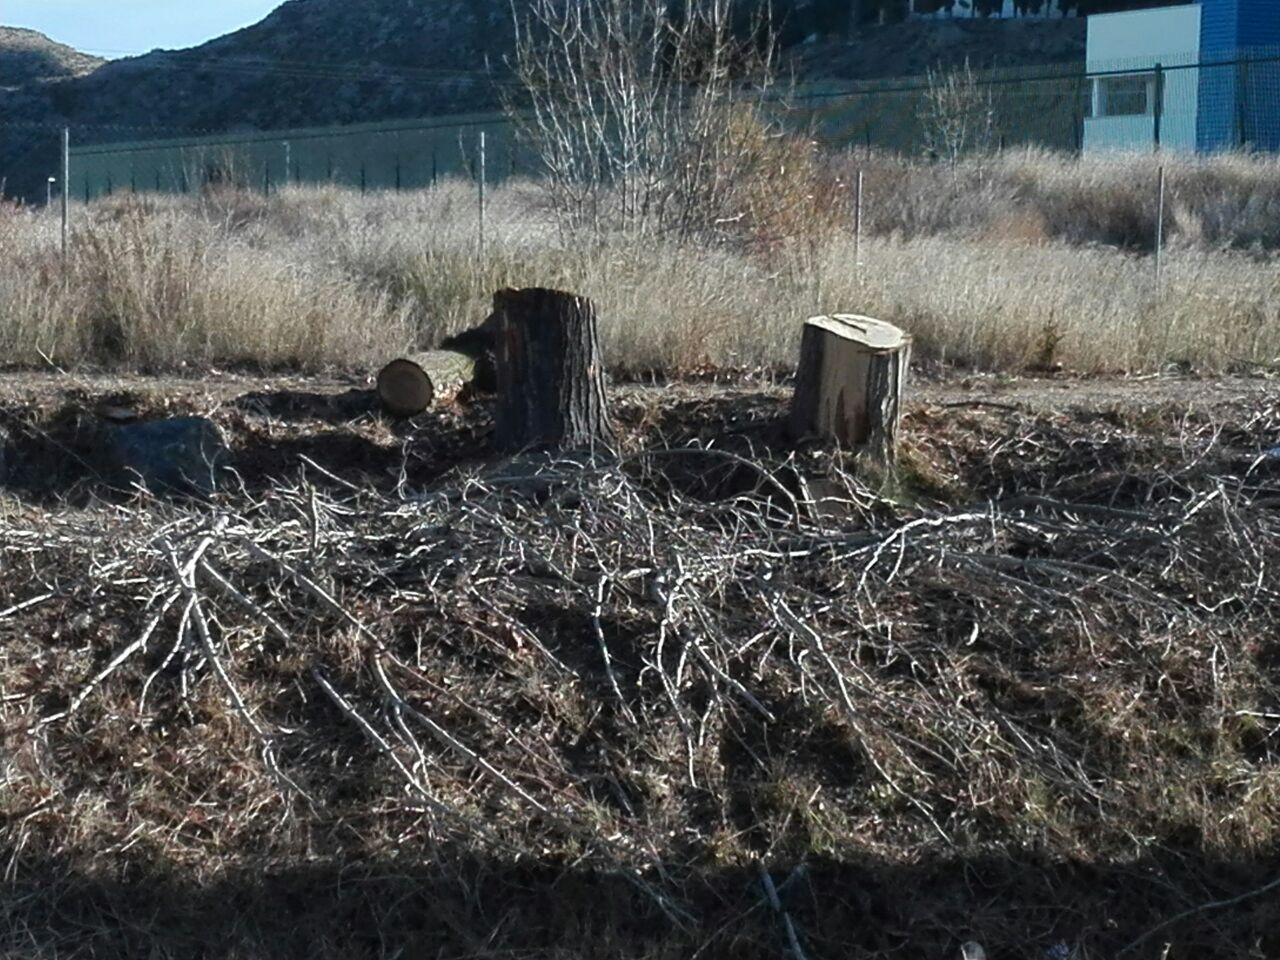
[[409, 385], [551, 389], [850, 382]]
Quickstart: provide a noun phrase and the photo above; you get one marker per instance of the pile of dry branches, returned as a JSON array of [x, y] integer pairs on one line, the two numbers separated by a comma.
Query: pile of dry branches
[[598, 668]]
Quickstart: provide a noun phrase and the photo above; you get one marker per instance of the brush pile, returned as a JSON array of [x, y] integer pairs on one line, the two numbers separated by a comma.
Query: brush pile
[[1024, 693]]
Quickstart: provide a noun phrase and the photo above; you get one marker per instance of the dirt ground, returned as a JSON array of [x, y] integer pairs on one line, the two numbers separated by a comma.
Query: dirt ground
[[217, 388], [273, 422], [382, 697]]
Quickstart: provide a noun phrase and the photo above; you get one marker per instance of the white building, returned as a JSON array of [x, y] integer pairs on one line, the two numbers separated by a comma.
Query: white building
[[1144, 87], [1203, 76]]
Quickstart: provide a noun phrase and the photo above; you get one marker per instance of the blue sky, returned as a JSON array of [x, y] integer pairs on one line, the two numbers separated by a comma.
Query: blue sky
[[116, 28]]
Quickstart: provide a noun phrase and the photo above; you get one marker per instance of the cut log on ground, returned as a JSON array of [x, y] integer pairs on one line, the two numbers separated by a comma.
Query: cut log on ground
[[551, 386], [850, 382], [407, 386]]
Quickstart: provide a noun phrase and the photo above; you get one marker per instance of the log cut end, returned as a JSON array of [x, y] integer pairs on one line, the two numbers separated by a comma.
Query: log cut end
[[407, 386], [869, 333]]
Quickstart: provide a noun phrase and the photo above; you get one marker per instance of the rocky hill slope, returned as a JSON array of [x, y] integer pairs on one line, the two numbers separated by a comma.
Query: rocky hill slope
[[28, 57], [315, 62]]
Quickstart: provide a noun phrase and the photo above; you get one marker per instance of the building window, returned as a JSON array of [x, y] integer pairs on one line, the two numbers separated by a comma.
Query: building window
[[1129, 95]]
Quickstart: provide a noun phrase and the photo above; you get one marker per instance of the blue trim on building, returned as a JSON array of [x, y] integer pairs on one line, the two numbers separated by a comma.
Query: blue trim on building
[[1218, 127], [1239, 105], [1259, 23], [1219, 26]]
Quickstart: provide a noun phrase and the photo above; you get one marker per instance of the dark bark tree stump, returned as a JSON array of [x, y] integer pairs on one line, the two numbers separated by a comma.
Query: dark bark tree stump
[[850, 383], [551, 385], [409, 385]]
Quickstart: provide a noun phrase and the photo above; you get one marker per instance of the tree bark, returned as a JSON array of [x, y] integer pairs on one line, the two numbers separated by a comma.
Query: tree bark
[[551, 385], [850, 383], [409, 385]]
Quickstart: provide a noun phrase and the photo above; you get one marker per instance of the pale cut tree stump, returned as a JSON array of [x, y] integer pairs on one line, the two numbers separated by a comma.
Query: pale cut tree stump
[[551, 386], [409, 385], [850, 382]]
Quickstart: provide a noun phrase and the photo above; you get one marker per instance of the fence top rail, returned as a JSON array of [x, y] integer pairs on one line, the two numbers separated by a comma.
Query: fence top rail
[[1092, 70], [457, 121]]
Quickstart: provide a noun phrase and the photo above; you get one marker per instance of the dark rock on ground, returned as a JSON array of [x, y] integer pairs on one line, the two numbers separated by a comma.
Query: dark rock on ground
[[181, 455]]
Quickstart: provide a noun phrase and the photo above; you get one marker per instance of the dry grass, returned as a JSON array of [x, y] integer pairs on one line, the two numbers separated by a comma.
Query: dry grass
[[994, 263], [388, 701], [1029, 698]]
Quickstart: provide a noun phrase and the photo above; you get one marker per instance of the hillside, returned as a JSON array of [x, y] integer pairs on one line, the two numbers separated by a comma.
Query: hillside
[[27, 57], [315, 62], [909, 49]]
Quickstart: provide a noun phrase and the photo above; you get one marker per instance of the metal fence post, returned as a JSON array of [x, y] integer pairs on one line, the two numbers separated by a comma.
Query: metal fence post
[[1079, 114], [288, 161], [1242, 108], [857, 226], [1158, 106], [364, 179], [435, 167], [66, 190], [481, 190], [1160, 231]]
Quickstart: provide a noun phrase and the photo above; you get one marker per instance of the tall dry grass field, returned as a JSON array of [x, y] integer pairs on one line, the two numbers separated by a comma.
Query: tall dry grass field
[[1025, 259]]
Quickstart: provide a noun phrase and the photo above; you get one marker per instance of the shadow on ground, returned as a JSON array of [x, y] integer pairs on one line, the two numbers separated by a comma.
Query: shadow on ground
[[306, 406], [437, 903]]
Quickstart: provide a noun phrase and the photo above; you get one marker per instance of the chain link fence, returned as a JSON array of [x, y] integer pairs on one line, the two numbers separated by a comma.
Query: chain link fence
[[398, 155], [1181, 102]]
